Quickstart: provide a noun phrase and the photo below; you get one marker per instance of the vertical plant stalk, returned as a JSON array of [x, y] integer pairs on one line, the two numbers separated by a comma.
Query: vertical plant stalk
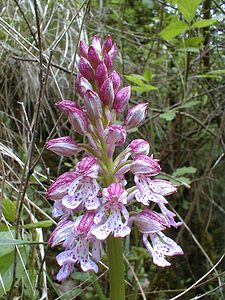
[[116, 268], [114, 245]]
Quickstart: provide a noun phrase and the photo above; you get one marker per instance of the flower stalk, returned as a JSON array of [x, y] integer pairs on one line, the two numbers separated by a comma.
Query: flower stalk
[[116, 268]]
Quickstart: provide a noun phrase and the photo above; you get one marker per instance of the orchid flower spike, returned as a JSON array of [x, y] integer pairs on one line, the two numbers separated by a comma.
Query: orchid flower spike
[[92, 200]]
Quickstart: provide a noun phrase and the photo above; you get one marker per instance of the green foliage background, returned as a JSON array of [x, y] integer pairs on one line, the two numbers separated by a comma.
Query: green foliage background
[[172, 53]]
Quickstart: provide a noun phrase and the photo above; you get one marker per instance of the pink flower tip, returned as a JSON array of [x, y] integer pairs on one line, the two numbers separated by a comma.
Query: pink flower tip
[[63, 146], [121, 99], [136, 115]]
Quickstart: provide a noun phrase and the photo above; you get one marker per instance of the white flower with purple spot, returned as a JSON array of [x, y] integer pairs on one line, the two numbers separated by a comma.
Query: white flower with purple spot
[[114, 200]]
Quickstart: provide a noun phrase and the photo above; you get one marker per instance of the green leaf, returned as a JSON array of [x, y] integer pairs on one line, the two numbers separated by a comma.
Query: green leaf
[[137, 79], [169, 115], [194, 41], [203, 23], [6, 248], [188, 8], [6, 269], [144, 88], [189, 104], [9, 209], [41, 224], [189, 49], [9, 243], [174, 28], [216, 72], [160, 60], [185, 170], [148, 75], [206, 76], [148, 3]]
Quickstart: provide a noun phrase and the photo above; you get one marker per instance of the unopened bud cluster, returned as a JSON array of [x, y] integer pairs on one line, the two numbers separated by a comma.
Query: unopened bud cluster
[[92, 201]]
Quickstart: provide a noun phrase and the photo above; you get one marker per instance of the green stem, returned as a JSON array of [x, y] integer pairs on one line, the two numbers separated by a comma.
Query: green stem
[[114, 245], [97, 287], [116, 268]]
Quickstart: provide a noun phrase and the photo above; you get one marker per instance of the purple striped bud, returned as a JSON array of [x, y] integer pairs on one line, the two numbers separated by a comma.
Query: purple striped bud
[[59, 188], [67, 105], [107, 44], [94, 57], [83, 49], [121, 99], [101, 74], [108, 61], [115, 77], [82, 85], [115, 135], [92, 104], [149, 221], [96, 43], [64, 146], [76, 115], [138, 147], [113, 52], [86, 69], [106, 92], [143, 164], [135, 115]]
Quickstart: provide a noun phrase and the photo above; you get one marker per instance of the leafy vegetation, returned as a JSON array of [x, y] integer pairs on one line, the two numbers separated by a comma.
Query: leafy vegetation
[[171, 53]]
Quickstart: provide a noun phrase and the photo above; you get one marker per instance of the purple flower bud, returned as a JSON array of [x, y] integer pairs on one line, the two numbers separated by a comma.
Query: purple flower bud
[[143, 164], [108, 61], [107, 92], [101, 74], [77, 117], [96, 43], [86, 70], [149, 221], [94, 57], [113, 52], [59, 188], [135, 115], [82, 85], [115, 135], [138, 147], [67, 105], [107, 44], [64, 146], [92, 104], [115, 77], [83, 49], [79, 121], [121, 99]]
